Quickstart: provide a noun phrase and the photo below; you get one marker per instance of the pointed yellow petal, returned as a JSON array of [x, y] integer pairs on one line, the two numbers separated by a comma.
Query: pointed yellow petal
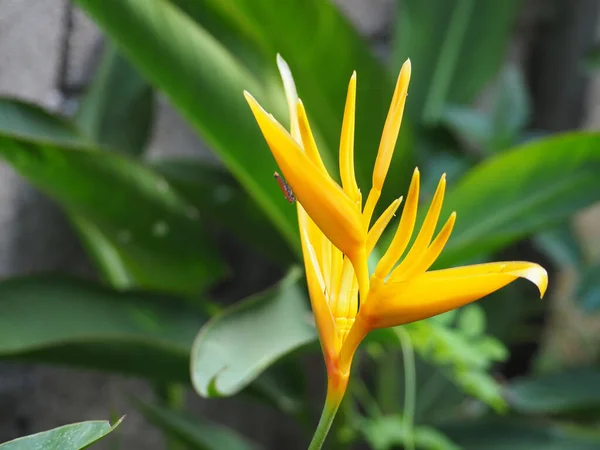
[[404, 231], [425, 234], [389, 136], [347, 144], [429, 256], [299, 126], [372, 200], [324, 201], [380, 225], [317, 292], [440, 291], [391, 127], [291, 95], [308, 141]]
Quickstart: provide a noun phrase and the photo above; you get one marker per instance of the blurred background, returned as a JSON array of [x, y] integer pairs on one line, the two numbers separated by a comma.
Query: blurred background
[[487, 77]]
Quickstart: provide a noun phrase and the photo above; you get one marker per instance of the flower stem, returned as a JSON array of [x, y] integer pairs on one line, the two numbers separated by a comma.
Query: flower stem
[[173, 396], [410, 387], [327, 416]]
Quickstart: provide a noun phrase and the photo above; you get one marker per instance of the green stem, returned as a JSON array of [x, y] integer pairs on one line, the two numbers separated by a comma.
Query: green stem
[[327, 416], [387, 386], [173, 396], [429, 392], [410, 386]]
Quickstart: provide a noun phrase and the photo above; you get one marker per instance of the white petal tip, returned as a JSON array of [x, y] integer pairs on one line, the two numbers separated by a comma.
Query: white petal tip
[[538, 276]]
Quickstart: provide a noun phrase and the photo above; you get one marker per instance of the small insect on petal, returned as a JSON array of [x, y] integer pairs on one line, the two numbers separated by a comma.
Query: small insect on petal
[[285, 188]]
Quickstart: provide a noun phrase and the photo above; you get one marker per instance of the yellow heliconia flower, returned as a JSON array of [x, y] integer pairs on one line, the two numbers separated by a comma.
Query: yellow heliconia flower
[[337, 237]]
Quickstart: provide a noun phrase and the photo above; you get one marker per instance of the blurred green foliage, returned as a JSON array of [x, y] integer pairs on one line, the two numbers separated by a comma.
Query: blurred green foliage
[[153, 228]]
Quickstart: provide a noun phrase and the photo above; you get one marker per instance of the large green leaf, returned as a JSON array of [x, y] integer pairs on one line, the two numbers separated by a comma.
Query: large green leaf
[[519, 434], [456, 46], [18, 118], [75, 436], [217, 196], [118, 263], [570, 391], [117, 110], [520, 191], [154, 232], [195, 433], [224, 25], [299, 31], [26, 120], [205, 83], [81, 324], [106, 253], [235, 347]]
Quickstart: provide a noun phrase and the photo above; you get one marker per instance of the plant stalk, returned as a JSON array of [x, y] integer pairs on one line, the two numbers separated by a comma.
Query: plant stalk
[[335, 393]]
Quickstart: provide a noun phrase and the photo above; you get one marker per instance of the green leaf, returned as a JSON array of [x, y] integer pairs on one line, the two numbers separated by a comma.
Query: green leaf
[[570, 391], [75, 436], [388, 432], [118, 107], [471, 321], [30, 121], [195, 433], [217, 196], [475, 127], [204, 82], [235, 347], [520, 434], [588, 290], [521, 191], [511, 110], [322, 76], [81, 324], [106, 253], [153, 230], [455, 47], [223, 24], [561, 244], [27, 120]]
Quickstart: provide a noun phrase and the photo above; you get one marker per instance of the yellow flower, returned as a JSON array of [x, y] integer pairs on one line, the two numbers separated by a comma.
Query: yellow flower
[[337, 237]]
